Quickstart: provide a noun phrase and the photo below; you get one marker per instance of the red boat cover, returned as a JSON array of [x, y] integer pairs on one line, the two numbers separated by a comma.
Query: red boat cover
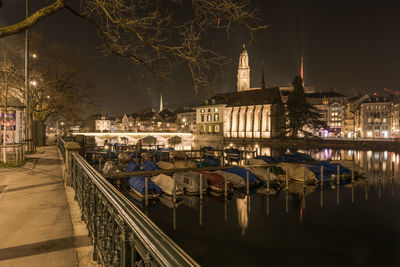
[[214, 179]]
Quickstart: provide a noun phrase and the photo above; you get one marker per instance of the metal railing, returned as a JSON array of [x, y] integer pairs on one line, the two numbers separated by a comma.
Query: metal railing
[[12, 153], [122, 235], [61, 146]]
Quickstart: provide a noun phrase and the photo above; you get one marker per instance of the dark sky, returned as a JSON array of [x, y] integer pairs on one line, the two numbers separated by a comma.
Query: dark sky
[[350, 45]]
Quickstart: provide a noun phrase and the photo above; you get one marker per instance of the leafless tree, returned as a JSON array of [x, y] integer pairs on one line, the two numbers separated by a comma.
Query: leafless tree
[[158, 34], [59, 86]]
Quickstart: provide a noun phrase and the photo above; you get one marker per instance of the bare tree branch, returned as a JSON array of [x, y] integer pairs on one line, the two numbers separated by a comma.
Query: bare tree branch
[[32, 19]]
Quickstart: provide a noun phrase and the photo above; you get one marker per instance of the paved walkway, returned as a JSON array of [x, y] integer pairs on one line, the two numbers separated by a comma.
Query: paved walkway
[[35, 223]]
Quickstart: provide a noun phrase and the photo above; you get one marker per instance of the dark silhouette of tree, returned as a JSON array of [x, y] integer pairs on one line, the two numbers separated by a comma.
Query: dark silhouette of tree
[[303, 117]]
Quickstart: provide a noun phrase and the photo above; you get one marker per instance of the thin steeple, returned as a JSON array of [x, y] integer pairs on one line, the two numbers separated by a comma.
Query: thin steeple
[[263, 80], [161, 103]]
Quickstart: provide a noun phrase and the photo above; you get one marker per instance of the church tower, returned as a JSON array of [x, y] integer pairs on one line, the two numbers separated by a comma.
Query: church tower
[[161, 103], [243, 77]]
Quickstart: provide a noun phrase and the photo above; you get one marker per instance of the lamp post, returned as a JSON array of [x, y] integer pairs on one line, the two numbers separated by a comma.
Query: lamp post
[[28, 131]]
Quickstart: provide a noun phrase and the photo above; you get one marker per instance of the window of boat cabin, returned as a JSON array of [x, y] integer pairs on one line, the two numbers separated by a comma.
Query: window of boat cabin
[[186, 180]]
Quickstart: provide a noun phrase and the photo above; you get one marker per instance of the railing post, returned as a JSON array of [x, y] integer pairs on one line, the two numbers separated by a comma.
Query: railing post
[[70, 147]]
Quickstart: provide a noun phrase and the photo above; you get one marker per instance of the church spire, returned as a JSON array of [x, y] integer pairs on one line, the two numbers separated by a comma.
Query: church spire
[[263, 80], [161, 103], [243, 77]]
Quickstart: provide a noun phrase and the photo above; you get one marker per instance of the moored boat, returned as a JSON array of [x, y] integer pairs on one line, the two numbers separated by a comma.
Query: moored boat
[[190, 182], [216, 182], [138, 186], [166, 184]]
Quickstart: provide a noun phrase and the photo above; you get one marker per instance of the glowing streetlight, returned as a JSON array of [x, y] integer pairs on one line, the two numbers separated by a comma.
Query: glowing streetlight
[[34, 55], [34, 83]]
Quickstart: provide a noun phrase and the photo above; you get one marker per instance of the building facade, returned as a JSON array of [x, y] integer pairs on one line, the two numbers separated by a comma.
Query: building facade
[[210, 116], [351, 119], [331, 106], [246, 113], [375, 118], [186, 121]]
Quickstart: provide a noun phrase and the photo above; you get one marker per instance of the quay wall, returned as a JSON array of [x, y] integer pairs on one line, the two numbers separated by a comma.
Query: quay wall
[[375, 145]]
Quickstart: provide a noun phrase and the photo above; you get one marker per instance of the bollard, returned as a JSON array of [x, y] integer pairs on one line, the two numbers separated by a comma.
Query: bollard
[[225, 186], [392, 182], [268, 181], [248, 183], [338, 176], [322, 176], [201, 212], [248, 203], [287, 202], [174, 217], [352, 171], [146, 190], [287, 180], [322, 186], [174, 189], [201, 186], [379, 190], [226, 210], [392, 171]]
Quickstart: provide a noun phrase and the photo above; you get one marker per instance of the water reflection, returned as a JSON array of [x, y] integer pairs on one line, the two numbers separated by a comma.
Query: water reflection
[[301, 216], [242, 210]]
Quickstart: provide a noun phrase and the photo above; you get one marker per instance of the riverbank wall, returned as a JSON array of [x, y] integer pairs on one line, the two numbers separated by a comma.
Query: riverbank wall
[[375, 145]]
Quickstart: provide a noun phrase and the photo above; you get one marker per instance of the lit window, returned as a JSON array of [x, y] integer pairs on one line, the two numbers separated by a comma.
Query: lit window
[[202, 110], [202, 118], [216, 117], [216, 109], [209, 117], [209, 110], [216, 128], [210, 129]]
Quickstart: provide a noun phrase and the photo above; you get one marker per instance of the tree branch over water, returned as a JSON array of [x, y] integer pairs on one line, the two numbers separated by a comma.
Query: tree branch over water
[[159, 35]]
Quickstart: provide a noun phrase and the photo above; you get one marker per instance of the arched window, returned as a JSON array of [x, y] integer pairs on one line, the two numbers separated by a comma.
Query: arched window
[[216, 129]]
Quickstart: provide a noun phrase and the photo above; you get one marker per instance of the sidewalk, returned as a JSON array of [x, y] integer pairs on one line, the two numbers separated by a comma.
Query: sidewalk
[[35, 222]]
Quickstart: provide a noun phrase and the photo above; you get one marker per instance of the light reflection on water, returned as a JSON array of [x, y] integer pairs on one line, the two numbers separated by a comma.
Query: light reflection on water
[[354, 225]]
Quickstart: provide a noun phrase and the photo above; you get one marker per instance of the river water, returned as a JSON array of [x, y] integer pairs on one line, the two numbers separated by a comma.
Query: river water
[[357, 225]]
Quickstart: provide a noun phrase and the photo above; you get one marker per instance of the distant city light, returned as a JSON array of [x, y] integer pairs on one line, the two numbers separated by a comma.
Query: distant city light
[[34, 83]]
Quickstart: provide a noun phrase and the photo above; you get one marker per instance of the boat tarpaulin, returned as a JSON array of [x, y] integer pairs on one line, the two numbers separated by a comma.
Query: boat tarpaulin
[[242, 172], [235, 179], [165, 165], [268, 159], [132, 166], [296, 157], [214, 179], [350, 165], [149, 165], [329, 169], [139, 184], [166, 183], [297, 171]]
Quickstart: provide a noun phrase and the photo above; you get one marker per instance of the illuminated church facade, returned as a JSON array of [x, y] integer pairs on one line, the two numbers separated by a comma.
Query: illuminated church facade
[[246, 113]]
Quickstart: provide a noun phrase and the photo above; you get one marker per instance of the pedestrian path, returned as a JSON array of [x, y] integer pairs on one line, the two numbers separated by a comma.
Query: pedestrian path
[[35, 223]]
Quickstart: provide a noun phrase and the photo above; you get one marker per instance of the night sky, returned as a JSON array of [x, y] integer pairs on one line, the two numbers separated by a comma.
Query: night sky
[[350, 45]]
